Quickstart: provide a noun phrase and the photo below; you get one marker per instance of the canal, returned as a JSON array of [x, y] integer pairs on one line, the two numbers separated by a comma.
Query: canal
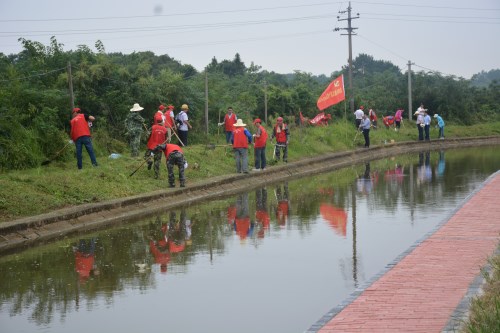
[[275, 259]]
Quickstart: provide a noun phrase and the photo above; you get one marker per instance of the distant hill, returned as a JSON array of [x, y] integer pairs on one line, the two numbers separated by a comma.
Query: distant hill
[[484, 79]]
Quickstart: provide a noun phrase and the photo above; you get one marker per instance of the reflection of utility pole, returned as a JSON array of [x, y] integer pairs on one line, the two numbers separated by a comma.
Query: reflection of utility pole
[[210, 239], [206, 101], [410, 111], [354, 250], [349, 34]]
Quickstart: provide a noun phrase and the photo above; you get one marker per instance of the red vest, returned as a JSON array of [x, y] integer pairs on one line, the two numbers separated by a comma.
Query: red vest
[[240, 140], [242, 226], [260, 141], [281, 136], [229, 122], [171, 148], [157, 137], [169, 122], [79, 127]]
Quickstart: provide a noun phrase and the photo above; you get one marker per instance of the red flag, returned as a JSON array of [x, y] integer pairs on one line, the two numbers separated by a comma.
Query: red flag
[[333, 94]]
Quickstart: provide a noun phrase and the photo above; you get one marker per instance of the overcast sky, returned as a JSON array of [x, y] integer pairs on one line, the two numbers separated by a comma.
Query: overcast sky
[[454, 37]]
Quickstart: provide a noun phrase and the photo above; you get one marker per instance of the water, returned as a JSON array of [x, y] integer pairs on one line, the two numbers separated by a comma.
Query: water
[[275, 259]]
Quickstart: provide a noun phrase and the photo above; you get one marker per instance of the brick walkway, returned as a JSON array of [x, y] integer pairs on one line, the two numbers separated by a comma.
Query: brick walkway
[[421, 292]]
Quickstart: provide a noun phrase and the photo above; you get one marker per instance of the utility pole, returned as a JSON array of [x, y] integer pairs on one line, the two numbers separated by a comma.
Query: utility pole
[[410, 111], [265, 101], [206, 101], [70, 81], [350, 30]]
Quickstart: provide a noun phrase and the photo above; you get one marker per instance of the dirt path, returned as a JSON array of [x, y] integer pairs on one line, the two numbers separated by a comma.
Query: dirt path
[[34, 230]]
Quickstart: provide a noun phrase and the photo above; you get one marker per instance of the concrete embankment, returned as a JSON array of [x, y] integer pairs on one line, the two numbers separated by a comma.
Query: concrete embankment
[[38, 229]]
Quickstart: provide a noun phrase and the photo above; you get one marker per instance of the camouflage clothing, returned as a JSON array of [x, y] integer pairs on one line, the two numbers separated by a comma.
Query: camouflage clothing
[[176, 158], [156, 162], [135, 126]]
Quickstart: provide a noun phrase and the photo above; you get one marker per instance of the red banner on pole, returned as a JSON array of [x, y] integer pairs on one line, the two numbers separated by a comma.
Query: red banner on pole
[[333, 94]]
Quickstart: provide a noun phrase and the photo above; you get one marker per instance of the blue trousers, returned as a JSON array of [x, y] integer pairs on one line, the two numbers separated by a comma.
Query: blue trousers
[[260, 158], [87, 142]]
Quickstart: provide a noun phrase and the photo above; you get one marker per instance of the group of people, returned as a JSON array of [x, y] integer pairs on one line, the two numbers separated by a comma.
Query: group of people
[[240, 137], [424, 123]]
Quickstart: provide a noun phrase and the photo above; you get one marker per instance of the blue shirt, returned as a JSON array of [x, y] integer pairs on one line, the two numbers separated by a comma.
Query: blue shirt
[[365, 123]]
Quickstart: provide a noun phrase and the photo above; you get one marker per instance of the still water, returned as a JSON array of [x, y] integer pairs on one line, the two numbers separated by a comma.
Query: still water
[[275, 259]]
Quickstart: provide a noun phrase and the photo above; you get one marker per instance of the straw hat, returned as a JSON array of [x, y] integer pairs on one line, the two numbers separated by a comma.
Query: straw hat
[[136, 108], [184, 107], [239, 123]]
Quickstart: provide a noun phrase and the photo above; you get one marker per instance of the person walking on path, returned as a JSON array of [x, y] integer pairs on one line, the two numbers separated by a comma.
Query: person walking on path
[[260, 140], [365, 127], [80, 134], [240, 139], [358, 114], [398, 118], [427, 125], [170, 121], [440, 125], [185, 126], [174, 156], [135, 126], [282, 134], [373, 118], [229, 120], [157, 137]]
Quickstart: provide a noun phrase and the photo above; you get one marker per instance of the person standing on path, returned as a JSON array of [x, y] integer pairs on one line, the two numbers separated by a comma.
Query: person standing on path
[[358, 114], [365, 127], [157, 137], [185, 125], [427, 125], [282, 134], [260, 139], [80, 134], [135, 126], [229, 120], [169, 121], [240, 139], [440, 125]]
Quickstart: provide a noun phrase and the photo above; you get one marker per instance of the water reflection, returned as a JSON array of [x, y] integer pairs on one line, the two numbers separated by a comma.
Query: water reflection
[[344, 228]]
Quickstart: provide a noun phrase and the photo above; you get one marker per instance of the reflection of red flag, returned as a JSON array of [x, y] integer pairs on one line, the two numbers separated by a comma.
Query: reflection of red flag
[[333, 94], [336, 218]]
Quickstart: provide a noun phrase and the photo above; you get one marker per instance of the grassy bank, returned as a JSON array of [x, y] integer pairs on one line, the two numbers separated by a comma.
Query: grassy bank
[[59, 184]]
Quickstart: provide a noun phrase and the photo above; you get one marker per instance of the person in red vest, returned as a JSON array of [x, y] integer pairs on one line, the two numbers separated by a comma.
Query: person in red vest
[[373, 118], [281, 133], [85, 259], [240, 139], [80, 134], [260, 139], [229, 120], [283, 207], [170, 121], [157, 137], [242, 224], [174, 156], [261, 215]]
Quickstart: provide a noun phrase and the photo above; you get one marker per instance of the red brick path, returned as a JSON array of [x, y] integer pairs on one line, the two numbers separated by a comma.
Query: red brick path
[[420, 293]]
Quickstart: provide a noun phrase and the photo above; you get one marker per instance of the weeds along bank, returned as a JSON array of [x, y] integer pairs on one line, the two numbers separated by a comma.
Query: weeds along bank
[[59, 184]]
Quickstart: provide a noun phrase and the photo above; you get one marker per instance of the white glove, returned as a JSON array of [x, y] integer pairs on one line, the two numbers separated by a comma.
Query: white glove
[[220, 124], [186, 165], [71, 142]]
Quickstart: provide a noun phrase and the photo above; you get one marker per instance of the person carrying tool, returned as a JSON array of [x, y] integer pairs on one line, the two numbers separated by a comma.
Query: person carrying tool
[[157, 137], [229, 120], [365, 127], [135, 125], [80, 134], [281, 133], [260, 139], [240, 139], [170, 121], [174, 156]]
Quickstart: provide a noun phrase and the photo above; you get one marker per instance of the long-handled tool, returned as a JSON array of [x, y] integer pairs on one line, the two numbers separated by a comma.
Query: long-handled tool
[[58, 153], [355, 137], [146, 160], [182, 143]]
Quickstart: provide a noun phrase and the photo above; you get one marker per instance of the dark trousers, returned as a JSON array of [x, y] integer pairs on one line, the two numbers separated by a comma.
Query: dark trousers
[[176, 158], [426, 130], [87, 142], [284, 146], [420, 132], [183, 135], [366, 134], [260, 157]]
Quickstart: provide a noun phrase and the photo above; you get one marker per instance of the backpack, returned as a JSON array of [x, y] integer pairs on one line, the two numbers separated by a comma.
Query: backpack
[[178, 121]]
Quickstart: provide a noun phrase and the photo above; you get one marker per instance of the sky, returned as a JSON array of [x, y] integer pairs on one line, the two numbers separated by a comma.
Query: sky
[[452, 37]]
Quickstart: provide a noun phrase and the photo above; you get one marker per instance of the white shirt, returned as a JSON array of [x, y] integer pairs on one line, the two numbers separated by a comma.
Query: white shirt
[[184, 117], [359, 114]]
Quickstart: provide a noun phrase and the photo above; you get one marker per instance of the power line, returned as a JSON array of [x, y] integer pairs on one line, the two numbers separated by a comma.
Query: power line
[[35, 75], [431, 7]]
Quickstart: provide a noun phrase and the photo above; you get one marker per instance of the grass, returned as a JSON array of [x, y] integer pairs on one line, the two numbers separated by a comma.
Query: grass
[[59, 184]]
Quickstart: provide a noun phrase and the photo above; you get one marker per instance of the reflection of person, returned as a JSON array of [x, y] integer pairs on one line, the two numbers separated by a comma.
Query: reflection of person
[[229, 120], [85, 259], [261, 215], [177, 232], [135, 126], [240, 139], [80, 134], [424, 171], [242, 224], [260, 138], [365, 182], [283, 207], [441, 165], [440, 123], [282, 134], [365, 127], [160, 249]]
